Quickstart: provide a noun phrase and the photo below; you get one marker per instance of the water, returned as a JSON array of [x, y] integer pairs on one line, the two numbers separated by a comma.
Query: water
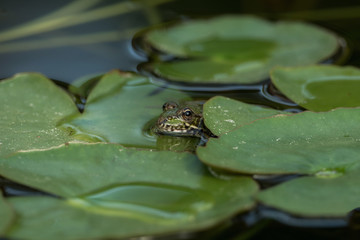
[[70, 61]]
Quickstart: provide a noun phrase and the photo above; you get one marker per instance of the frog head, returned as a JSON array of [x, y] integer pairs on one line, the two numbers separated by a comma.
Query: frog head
[[180, 119]]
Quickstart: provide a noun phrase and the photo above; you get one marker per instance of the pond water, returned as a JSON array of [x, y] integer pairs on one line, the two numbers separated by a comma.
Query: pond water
[[90, 46]]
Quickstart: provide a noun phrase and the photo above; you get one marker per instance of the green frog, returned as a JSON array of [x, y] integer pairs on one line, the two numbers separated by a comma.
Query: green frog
[[184, 119]]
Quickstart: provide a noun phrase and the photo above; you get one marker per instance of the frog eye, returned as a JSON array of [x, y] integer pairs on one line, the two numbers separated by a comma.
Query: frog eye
[[187, 114], [169, 105]]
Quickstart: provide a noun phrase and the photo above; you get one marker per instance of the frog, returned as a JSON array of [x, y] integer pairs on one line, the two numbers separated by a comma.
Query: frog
[[184, 119]]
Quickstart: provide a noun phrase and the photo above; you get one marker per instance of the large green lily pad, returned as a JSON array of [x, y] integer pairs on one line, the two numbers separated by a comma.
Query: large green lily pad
[[305, 143], [319, 88], [223, 114], [120, 108], [237, 49], [124, 192], [32, 106], [7, 215], [325, 195]]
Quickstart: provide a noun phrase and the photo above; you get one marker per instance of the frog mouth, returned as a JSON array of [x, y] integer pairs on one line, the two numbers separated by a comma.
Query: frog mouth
[[181, 127]]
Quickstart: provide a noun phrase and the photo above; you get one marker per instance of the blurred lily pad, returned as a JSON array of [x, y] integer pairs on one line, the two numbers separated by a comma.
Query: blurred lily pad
[[331, 194], [7, 215], [223, 114], [32, 106], [118, 109], [319, 88], [237, 49], [304, 143], [199, 70], [124, 192]]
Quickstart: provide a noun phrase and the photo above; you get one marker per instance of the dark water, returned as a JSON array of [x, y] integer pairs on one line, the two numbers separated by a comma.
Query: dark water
[[69, 60]]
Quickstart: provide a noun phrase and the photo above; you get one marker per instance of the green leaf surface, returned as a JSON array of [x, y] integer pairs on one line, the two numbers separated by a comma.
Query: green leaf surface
[[7, 215], [199, 70], [237, 49], [319, 88], [32, 106], [121, 109], [230, 49], [305, 143], [74, 169], [223, 114], [82, 86], [316, 196], [123, 192]]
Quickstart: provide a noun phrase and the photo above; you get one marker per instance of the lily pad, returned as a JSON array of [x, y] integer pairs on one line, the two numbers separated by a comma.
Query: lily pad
[[237, 49], [119, 109], [194, 70], [32, 106], [319, 88], [82, 86], [124, 192], [304, 143], [223, 114], [7, 215], [317, 196]]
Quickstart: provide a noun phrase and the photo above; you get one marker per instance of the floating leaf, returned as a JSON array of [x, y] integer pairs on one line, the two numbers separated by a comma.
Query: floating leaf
[[237, 49], [210, 71], [119, 109], [223, 114], [301, 143], [73, 169], [123, 192], [330, 194], [82, 86], [7, 215], [32, 106], [231, 49], [319, 88]]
